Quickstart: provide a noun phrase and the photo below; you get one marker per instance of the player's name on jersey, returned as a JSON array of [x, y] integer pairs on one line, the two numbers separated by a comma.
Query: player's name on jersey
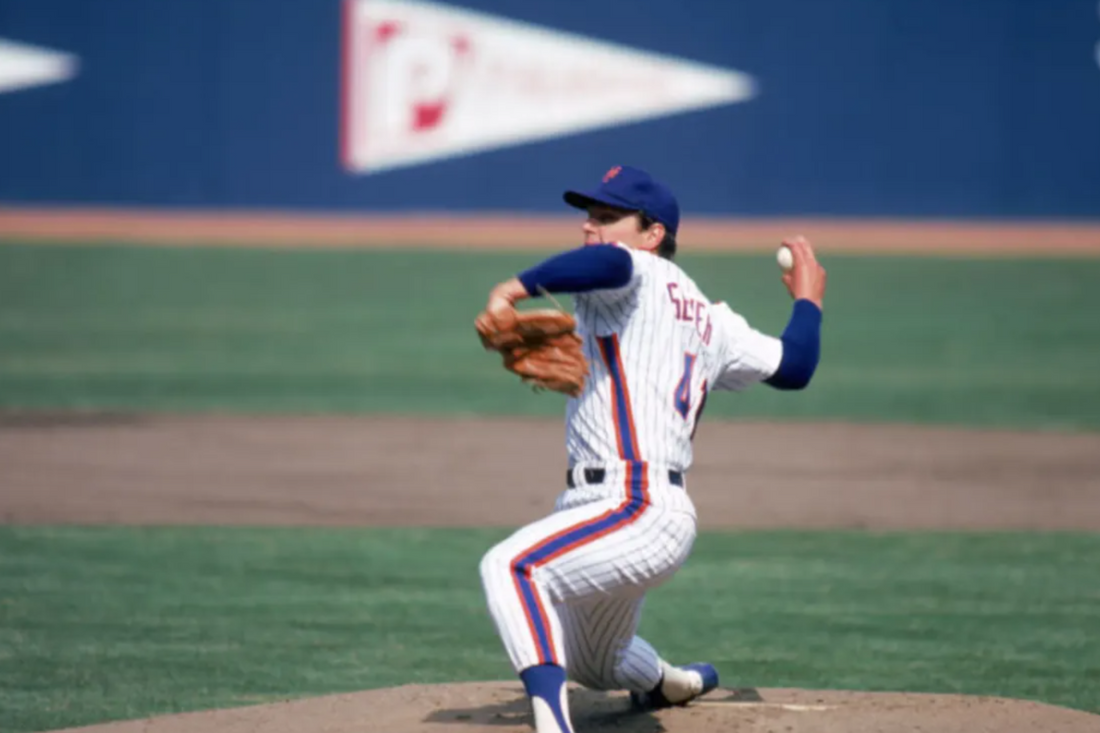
[[690, 310]]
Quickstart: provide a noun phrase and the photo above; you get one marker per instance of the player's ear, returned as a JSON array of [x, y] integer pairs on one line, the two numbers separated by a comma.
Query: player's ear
[[654, 235]]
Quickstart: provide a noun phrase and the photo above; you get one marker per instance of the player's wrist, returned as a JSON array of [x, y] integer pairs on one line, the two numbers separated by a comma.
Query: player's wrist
[[511, 290]]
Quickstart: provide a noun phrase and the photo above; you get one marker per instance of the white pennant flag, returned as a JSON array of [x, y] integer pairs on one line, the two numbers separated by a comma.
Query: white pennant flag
[[23, 66], [424, 82]]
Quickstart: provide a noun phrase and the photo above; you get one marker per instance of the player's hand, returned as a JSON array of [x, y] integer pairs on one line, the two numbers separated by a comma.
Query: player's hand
[[504, 296], [806, 279], [501, 305]]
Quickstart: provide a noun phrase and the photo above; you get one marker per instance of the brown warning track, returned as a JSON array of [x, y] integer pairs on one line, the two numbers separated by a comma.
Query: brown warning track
[[515, 232]]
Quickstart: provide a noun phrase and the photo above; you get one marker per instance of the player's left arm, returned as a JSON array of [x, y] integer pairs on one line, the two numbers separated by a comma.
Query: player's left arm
[[596, 267]]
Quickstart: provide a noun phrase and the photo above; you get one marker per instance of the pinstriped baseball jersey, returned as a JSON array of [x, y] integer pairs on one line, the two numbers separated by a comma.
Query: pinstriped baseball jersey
[[657, 347], [568, 589]]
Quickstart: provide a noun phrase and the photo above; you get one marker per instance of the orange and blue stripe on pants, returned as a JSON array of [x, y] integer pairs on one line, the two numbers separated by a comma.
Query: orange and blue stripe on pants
[[584, 533]]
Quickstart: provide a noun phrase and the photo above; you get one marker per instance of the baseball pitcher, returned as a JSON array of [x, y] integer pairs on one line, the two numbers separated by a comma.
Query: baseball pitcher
[[648, 348]]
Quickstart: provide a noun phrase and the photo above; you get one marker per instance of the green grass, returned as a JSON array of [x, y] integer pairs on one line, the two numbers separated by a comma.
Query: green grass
[[113, 623], [982, 342]]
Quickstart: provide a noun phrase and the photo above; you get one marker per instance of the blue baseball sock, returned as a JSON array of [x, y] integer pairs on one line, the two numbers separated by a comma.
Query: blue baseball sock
[[546, 682]]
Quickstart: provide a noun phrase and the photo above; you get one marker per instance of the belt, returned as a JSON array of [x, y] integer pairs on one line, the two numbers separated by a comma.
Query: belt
[[597, 475]]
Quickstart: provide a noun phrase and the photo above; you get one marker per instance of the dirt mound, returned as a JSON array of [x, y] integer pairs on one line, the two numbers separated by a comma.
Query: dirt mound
[[498, 707]]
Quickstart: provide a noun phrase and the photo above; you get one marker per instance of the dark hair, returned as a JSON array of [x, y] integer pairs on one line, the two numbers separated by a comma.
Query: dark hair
[[667, 247]]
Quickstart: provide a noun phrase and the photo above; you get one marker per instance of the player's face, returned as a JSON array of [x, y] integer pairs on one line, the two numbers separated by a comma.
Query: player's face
[[608, 224]]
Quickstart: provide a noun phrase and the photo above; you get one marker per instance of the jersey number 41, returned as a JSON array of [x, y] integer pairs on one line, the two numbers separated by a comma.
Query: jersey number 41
[[682, 395]]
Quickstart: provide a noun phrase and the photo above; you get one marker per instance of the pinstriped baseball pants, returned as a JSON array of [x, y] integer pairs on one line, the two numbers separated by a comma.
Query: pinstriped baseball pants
[[568, 589]]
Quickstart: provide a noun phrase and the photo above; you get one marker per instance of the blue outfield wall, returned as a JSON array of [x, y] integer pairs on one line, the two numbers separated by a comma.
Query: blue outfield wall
[[952, 108]]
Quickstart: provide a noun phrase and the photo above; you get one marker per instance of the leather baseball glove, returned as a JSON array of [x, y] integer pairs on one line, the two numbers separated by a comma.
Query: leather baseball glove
[[541, 346]]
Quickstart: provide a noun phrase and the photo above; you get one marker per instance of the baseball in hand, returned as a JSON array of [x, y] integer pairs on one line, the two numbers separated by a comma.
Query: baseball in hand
[[785, 258]]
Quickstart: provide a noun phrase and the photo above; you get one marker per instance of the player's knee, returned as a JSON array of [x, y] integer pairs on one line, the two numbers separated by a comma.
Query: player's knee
[[495, 566], [585, 677]]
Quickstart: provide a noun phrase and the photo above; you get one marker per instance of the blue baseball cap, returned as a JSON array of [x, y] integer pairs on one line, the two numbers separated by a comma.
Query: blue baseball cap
[[624, 187]]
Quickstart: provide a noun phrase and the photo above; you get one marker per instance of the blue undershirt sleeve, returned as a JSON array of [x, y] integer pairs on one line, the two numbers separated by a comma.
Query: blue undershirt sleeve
[[592, 267], [801, 348]]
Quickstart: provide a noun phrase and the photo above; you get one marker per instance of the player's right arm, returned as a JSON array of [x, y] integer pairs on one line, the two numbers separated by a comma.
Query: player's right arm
[[786, 363], [806, 278], [801, 339]]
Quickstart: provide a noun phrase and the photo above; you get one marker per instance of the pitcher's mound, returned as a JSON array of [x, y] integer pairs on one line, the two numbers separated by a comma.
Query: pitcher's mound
[[499, 707]]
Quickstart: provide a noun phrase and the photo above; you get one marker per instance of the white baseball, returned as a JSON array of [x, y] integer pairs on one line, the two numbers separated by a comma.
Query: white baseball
[[785, 258]]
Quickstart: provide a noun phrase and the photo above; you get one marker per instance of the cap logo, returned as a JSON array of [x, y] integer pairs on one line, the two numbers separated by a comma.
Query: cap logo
[[612, 173]]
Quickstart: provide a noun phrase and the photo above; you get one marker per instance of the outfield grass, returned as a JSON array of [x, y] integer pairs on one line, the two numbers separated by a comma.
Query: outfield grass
[[983, 342], [113, 623]]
